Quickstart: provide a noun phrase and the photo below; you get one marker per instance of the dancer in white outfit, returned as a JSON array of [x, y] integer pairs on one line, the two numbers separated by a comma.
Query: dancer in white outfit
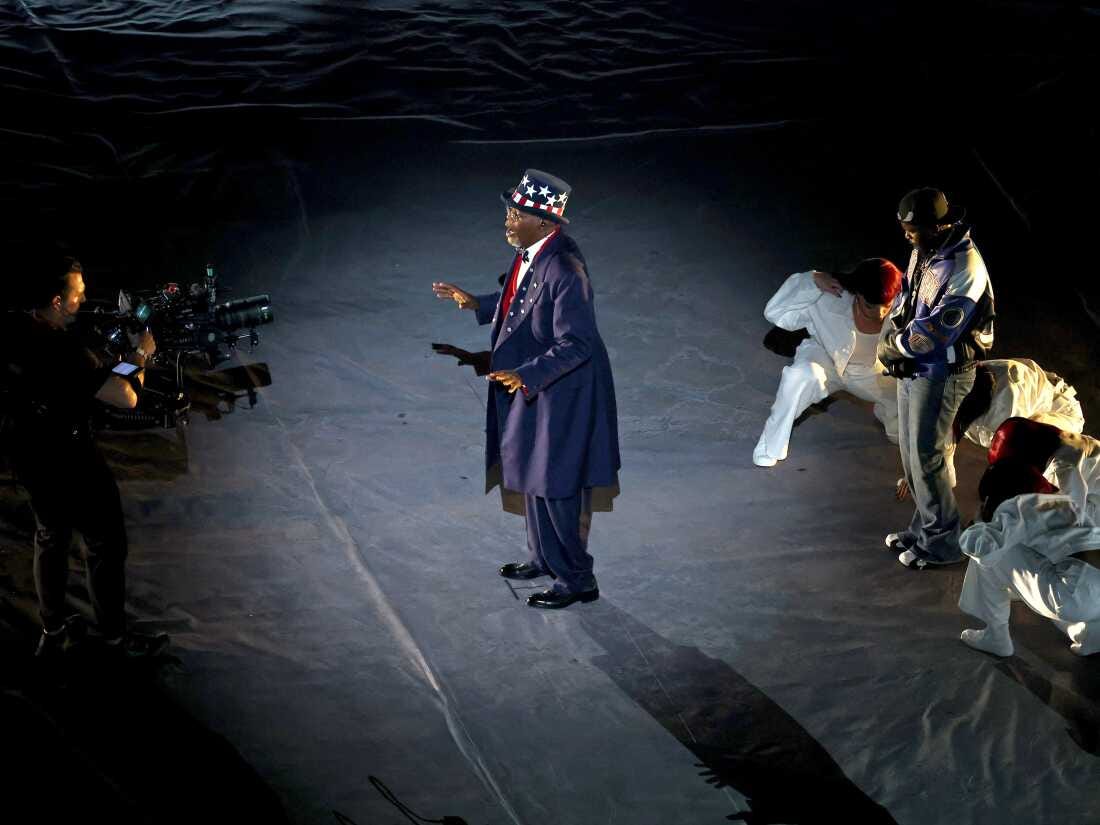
[[1011, 388], [1017, 388], [1069, 460], [1024, 551], [843, 315]]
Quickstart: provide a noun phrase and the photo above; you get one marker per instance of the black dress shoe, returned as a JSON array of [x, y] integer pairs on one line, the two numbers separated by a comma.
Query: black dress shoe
[[521, 570], [553, 599]]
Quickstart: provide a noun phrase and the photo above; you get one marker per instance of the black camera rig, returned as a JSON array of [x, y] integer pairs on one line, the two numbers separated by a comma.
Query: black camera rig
[[195, 331]]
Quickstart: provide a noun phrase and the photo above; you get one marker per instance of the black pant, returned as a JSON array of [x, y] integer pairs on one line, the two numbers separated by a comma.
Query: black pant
[[74, 490]]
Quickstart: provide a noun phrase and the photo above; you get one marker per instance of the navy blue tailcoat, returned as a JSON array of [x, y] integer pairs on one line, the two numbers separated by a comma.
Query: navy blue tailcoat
[[562, 434]]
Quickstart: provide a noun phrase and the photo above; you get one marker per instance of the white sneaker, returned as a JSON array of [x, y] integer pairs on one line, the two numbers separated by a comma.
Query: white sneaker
[[763, 460], [999, 644], [760, 455], [894, 542], [915, 562]]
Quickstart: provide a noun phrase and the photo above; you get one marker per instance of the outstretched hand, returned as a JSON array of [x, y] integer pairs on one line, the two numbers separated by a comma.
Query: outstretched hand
[[460, 296]]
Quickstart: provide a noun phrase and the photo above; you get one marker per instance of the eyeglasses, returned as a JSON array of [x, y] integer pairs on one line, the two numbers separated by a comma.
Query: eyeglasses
[[512, 215]]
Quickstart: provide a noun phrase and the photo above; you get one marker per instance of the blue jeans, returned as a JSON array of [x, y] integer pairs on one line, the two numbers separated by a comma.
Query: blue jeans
[[926, 411]]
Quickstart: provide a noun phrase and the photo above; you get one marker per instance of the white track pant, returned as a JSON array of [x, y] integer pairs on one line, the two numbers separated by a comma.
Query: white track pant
[[812, 377], [1066, 592]]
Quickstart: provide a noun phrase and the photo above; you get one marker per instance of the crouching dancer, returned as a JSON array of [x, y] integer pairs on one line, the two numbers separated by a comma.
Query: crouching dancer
[[1069, 460], [1012, 388], [843, 315], [1016, 388], [1023, 550]]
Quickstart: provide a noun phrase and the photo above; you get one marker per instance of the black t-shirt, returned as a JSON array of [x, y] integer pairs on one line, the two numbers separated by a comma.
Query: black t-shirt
[[52, 379]]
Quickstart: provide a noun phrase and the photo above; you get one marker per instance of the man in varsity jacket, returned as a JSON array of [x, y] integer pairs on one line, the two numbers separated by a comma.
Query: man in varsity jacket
[[942, 324]]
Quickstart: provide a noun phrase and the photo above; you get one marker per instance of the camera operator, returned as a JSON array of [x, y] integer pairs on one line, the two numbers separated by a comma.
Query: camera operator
[[54, 382]]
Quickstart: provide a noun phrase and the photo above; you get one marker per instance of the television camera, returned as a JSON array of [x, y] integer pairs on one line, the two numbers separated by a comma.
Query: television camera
[[195, 332]]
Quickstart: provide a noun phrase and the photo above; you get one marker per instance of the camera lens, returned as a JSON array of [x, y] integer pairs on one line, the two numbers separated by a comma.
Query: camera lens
[[244, 312]]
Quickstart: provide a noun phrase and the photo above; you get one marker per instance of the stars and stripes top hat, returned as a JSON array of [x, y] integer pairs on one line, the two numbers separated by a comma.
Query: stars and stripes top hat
[[540, 194]]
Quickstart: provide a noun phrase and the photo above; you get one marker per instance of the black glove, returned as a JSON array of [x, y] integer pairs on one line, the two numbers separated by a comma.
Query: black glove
[[897, 363], [478, 360], [900, 367], [887, 350]]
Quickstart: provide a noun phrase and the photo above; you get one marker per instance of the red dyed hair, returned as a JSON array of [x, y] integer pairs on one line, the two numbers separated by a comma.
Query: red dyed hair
[[876, 279], [1007, 479], [1023, 440]]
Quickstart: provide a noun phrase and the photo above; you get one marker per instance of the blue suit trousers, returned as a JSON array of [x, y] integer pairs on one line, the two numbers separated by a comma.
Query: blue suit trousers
[[557, 539]]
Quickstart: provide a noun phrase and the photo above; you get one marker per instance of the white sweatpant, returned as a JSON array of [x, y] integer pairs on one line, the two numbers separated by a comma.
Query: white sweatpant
[[812, 377], [1066, 592]]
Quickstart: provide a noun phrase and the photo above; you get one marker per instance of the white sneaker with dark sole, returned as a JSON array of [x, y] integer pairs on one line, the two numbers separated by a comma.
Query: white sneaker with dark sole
[[914, 562], [894, 542]]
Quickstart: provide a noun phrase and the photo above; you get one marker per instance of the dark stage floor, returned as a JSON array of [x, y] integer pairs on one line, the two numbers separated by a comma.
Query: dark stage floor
[[325, 563]]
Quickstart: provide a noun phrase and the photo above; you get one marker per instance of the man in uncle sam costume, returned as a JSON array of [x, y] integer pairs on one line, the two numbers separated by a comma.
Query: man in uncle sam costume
[[552, 441]]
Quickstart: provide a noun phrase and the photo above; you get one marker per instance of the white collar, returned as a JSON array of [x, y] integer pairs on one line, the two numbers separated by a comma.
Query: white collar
[[534, 248]]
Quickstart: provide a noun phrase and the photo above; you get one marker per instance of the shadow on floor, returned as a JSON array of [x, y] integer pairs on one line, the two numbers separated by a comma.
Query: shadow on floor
[[1069, 693], [100, 740], [741, 738], [1067, 684]]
